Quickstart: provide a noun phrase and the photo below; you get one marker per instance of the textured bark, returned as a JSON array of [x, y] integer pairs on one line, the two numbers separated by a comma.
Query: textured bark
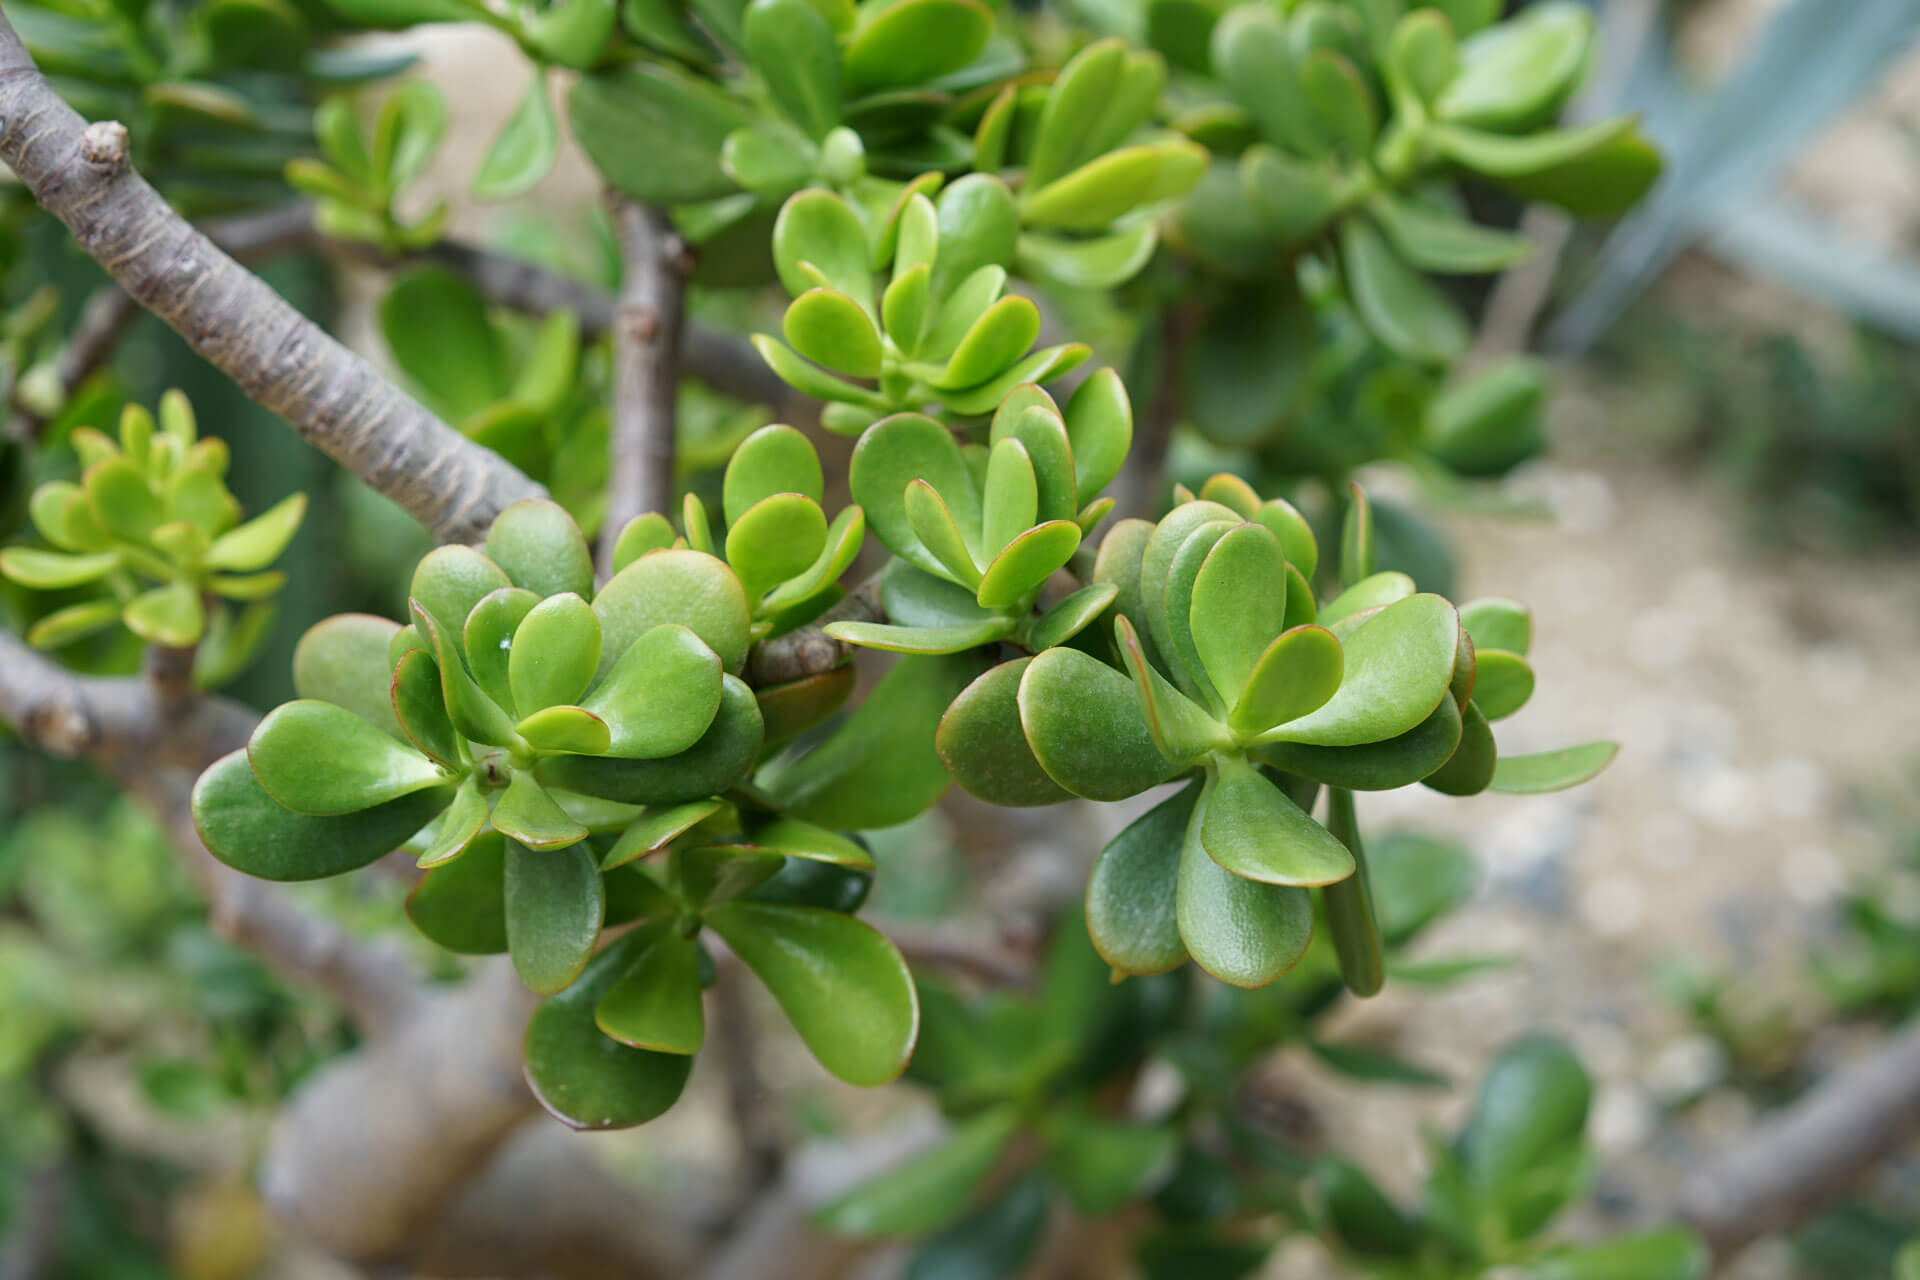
[[646, 368], [1801, 1160], [80, 174], [810, 651]]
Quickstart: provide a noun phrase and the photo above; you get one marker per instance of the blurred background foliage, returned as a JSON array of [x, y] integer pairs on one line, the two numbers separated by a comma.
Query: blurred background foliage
[[1767, 353]]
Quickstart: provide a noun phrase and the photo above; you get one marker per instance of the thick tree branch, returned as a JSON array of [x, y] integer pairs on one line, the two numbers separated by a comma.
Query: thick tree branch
[[646, 367], [80, 174], [1802, 1159]]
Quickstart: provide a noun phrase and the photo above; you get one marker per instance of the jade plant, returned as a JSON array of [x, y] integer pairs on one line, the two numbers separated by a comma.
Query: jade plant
[[151, 534], [1176, 249]]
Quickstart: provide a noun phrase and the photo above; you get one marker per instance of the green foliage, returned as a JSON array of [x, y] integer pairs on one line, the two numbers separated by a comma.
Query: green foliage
[[360, 174], [151, 539]]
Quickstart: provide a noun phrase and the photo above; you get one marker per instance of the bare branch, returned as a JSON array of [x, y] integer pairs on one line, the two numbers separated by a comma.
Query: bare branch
[[979, 952], [810, 651], [1803, 1158], [646, 367], [154, 748], [104, 320], [80, 174]]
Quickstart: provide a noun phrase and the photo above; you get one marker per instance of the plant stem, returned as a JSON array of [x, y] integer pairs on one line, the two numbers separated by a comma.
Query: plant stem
[[646, 368], [1349, 903]]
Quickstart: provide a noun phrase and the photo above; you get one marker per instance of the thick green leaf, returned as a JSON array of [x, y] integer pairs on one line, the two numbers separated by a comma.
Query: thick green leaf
[[568, 729], [1071, 616], [1370, 593], [259, 542], [316, 758], [1399, 663], [832, 329], [1499, 156], [1378, 766], [1240, 931], [791, 45], [655, 829], [839, 981], [1253, 830], [1093, 262], [775, 540], [1087, 729], [1422, 57], [1341, 104], [774, 459], [922, 640], [1521, 72], [1532, 1105], [419, 705], [1182, 729], [460, 905], [1399, 305], [1296, 197], [690, 588], [911, 42], [555, 652], [1236, 613], [64, 626], [456, 827], [55, 570], [655, 1004], [436, 326], [1255, 59], [1470, 769], [554, 903], [891, 455], [880, 768], [820, 230], [932, 1189], [1668, 1253], [343, 660], [1434, 240], [981, 743], [1553, 770], [585, 1078], [530, 816], [1130, 913], [1025, 564], [1099, 423], [1094, 195], [1502, 682], [1351, 921], [1295, 676], [172, 616], [1361, 1215], [248, 830], [1104, 1163], [1490, 422], [721, 758], [685, 120], [449, 581], [1028, 415], [473, 713], [994, 1241], [523, 154]]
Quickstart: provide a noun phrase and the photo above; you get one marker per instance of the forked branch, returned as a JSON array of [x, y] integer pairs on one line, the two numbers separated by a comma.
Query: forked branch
[[80, 174]]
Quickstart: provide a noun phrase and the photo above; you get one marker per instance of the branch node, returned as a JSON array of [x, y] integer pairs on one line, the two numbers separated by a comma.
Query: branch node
[[103, 145]]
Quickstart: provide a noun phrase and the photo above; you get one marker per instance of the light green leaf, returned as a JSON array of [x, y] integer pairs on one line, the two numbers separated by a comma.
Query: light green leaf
[[554, 902]]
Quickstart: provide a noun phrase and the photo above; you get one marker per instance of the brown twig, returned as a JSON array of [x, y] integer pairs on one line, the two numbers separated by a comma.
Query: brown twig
[[747, 1098], [1802, 1159], [80, 174], [646, 367], [810, 651], [104, 320]]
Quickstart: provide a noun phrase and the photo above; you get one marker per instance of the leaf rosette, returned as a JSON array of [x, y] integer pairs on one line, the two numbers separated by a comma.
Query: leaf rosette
[[978, 530], [152, 528]]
